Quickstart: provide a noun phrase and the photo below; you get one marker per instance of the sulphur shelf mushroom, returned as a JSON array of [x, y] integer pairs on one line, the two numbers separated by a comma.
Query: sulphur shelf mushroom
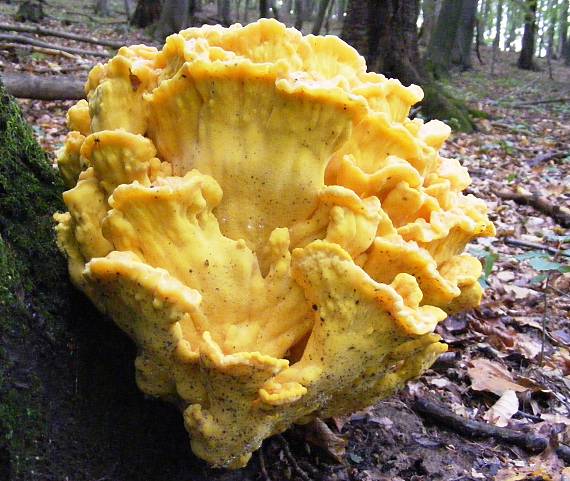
[[259, 214]]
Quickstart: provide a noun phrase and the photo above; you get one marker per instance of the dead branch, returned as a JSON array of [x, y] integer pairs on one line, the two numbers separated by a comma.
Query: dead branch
[[55, 33], [6, 37], [439, 414], [539, 159], [47, 51], [559, 213], [44, 88], [533, 245], [539, 102]]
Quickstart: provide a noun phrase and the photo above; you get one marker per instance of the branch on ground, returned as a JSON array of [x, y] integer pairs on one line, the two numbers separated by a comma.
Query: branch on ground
[[55, 33], [44, 88], [6, 37], [559, 213], [437, 413]]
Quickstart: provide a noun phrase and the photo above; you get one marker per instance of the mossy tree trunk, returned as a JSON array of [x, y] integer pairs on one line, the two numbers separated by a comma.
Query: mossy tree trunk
[[69, 406], [385, 33]]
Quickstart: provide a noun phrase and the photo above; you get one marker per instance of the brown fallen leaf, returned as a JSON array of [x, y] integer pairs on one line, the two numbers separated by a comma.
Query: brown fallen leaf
[[490, 376], [503, 410]]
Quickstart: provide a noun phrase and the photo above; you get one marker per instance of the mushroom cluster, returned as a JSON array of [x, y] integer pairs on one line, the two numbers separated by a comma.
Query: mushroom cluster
[[259, 214]]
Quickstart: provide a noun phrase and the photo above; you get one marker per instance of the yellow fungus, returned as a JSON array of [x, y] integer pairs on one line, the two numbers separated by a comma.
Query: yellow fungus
[[259, 214]]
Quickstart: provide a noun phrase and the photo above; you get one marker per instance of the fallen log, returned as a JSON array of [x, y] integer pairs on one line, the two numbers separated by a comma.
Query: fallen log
[[32, 48], [559, 213], [44, 88], [6, 37], [440, 415], [55, 33]]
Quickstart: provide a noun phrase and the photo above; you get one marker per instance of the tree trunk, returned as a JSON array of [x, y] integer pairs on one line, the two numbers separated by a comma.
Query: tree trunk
[[224, 12], [146, 13], [497, 39], [563, 29], [464, 38], [263, 9], [552, 21], [173, 18], [299, 14], [355, 27], [102, 8], [443, 38], [323, 5], [385, 33], [430, 11], [526, 57], [512, 24]]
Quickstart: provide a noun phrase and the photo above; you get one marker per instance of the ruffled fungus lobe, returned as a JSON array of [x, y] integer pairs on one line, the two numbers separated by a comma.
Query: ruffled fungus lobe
[[258, 213]]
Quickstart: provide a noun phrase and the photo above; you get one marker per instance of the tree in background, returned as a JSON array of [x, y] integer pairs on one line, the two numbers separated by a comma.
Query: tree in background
[[102, 8], [564, 41], [526, 57], [385, 32], [146, 13], [173, 17], [461, 54], [443, 38], [497, 39]]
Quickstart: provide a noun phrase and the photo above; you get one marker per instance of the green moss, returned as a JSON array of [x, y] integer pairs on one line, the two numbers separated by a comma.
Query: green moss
[[29, 193], [440, 104]]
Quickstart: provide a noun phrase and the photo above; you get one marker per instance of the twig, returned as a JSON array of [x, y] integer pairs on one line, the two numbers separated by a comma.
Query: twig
[[55, 33], [262, 465], [30, 41], [558, 213], [289, 455], [533, 245], [439, 414]]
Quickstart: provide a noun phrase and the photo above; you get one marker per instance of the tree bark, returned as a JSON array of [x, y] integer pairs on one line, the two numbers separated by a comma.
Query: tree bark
[[443, 38], [173, 18], [355, 29], [526, 57], [146, 12], [464, 38]]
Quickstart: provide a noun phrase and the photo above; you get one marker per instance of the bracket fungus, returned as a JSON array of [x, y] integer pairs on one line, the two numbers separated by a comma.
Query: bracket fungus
[[259, 214]]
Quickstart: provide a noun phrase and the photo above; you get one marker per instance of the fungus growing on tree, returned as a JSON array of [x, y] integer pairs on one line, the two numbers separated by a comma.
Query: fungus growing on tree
[[263, 219]]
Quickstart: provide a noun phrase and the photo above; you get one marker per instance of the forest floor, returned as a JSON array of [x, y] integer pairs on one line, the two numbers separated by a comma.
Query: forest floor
[[508, 362]]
